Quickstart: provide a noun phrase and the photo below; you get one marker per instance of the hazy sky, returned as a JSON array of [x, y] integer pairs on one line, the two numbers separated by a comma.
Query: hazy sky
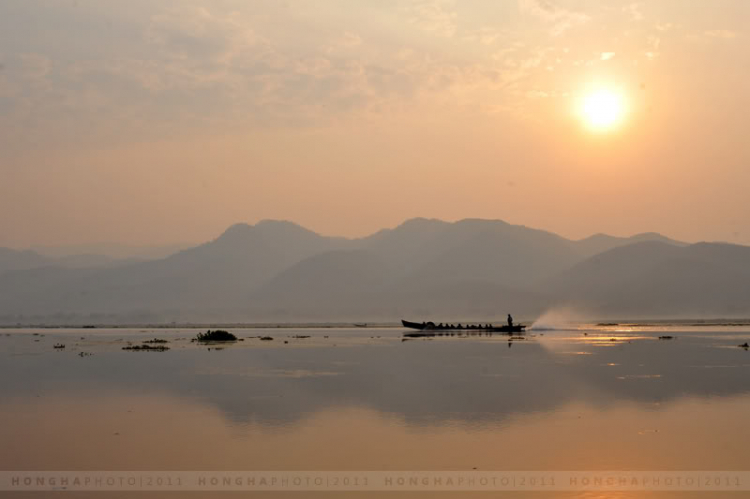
[[157, 121]]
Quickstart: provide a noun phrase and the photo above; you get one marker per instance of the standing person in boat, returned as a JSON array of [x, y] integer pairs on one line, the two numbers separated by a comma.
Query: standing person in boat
[[510, 321]]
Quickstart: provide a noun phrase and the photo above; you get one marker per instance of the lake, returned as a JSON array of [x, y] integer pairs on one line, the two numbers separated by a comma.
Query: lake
[[587, 398]]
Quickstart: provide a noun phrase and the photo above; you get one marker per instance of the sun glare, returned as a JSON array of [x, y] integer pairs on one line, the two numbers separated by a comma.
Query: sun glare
[[602, 110]]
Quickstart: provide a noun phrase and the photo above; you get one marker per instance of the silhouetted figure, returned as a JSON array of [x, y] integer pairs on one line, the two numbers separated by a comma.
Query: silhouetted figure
[[510, 321]]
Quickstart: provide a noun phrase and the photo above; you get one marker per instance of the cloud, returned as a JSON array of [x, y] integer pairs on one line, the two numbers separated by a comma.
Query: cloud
[[560, 19], [228, 63], [485, 35], [35, 67], [634, 9], [434, 16], [721, 33], [653, 43], [350, 39]]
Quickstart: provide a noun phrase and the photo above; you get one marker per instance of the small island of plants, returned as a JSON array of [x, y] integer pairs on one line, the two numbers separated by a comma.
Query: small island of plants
[[216, 335]]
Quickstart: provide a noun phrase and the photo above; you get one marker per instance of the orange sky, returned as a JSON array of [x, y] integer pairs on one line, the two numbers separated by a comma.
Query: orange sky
[[160, 122]]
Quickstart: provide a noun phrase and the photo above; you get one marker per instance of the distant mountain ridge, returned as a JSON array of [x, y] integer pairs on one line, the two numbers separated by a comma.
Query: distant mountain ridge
[[653, 278], [424, 268], [598, 243], [11, 259]]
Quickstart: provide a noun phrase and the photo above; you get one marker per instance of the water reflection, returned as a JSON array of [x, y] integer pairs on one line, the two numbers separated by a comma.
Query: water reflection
[[474, 380], [149, 432], [553, 401]]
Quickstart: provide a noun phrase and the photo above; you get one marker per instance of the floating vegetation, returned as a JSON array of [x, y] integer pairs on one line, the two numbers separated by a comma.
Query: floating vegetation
[[85, 354], [744, 345], [146, 348], [216, 335], [266, 338], [156, 340], [59, 346], [666, 337], [300, 337]]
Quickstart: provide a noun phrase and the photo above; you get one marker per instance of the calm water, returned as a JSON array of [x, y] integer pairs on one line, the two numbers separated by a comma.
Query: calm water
[[589, 398]]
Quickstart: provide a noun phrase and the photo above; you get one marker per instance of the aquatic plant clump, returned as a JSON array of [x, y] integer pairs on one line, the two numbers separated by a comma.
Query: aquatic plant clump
[[146, 348], [216, 335]]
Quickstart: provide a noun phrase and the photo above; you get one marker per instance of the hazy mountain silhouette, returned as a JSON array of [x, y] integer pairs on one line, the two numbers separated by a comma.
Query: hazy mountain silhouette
[[427, 266], [471, 269], [220, 274], [334, 283], [11, 259], [490, 251], [114, 251], [651, 279], [599, 243]]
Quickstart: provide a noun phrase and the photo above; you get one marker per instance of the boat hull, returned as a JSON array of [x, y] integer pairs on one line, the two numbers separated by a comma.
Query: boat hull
[[430, 329]]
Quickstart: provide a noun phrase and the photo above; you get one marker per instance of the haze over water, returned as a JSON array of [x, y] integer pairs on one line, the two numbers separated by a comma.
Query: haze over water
[[587, 398]]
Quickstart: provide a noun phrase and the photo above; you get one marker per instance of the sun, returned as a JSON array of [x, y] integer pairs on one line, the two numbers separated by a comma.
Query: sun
[[602, 110]]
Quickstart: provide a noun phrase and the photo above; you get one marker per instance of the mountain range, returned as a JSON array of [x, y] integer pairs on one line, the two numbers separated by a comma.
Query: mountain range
[[423, 269]]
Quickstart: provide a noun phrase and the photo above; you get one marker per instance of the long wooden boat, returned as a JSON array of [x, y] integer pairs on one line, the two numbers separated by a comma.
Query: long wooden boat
[[432, 329]]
